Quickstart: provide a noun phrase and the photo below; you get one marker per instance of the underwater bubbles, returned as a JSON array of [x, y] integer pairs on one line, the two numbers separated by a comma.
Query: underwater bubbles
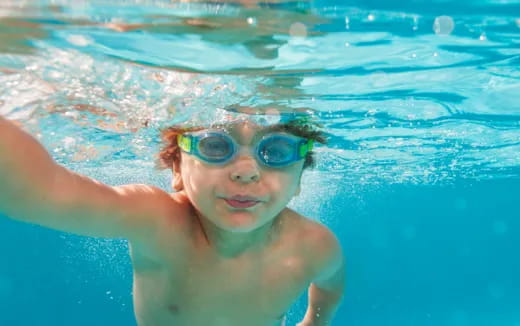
[[443, 25], [251, 21]]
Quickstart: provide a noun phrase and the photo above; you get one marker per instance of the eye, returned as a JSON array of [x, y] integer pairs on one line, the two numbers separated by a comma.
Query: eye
[[214, 146], [276, 149]]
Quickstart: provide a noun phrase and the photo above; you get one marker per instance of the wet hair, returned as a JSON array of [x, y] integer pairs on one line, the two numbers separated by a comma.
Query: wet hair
[[170, 152]]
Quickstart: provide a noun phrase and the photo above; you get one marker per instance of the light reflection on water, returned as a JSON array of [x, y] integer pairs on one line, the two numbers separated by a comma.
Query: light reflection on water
[[406, 96]]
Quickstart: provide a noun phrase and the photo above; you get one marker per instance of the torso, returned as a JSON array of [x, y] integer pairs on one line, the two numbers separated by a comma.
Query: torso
[[184, 283]]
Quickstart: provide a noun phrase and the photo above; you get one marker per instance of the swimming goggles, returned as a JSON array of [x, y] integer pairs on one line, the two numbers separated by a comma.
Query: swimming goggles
[[217, 147]]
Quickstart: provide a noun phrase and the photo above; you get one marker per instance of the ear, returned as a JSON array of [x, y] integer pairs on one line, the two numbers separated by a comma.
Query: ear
[[177, 184]]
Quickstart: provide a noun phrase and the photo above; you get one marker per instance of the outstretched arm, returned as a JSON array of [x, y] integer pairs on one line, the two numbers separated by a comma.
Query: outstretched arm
[[35, 189]]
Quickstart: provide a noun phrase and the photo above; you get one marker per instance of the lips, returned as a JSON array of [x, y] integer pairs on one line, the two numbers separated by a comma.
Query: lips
[[242, 201]]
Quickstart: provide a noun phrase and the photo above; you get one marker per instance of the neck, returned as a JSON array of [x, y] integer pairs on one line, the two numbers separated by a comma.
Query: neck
[[232, 244]]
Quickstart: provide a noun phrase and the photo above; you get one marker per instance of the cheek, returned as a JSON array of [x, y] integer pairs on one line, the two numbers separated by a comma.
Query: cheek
[[197, 177], [285, 182]]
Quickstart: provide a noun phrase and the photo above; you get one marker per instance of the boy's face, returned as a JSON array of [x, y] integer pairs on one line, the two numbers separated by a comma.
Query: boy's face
[[243, 194]]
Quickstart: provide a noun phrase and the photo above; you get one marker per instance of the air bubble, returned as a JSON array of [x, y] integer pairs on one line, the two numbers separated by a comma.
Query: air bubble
[[298, 30], [371, 18], [79, 40], [251, 21], [443, 25], [415, 23], [482, 37]]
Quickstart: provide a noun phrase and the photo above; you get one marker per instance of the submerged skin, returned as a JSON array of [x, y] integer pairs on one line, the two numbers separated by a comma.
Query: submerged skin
[[196, 259]]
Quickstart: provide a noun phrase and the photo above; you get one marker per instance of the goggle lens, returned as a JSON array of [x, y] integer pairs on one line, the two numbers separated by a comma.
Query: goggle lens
[[215, 147], [277, 150]]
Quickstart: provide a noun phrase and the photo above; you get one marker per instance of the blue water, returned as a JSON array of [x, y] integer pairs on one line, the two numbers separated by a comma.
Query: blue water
[[420, 180]]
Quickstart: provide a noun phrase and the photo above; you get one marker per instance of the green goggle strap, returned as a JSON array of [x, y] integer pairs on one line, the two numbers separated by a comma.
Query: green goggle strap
[[306, 148], [184, 143]]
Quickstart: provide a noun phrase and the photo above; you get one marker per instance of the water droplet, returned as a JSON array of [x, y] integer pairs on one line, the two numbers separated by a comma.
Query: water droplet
[[443, 25], [251, 21], [298, 30], [371, 18]]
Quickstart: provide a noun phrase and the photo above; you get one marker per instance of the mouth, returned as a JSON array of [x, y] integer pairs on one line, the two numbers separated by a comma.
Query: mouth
[[242, 201]]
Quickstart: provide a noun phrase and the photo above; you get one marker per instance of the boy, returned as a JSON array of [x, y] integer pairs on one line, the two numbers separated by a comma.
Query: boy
[[223, 250]]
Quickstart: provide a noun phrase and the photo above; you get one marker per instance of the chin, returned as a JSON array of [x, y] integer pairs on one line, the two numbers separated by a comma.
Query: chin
[[240, 223]]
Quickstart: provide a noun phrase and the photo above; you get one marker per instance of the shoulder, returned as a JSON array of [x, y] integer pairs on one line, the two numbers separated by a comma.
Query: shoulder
[[168, 216], [152, 204], [318, 244], [148, 198]]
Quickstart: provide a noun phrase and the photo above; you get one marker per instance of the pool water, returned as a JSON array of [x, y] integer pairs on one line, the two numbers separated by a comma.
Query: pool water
[[420, 101]]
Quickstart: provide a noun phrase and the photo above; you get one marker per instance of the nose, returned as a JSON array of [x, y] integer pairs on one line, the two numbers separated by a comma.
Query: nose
[[245, 171]]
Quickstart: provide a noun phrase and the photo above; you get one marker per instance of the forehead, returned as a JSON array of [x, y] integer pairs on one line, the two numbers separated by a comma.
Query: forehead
[[246, 129]]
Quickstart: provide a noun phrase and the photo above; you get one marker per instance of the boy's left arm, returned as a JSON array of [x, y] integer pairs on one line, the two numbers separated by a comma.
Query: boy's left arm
[[326, 291]]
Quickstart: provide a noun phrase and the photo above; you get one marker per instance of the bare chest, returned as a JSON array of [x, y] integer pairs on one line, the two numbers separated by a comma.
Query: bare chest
[[194, 291]]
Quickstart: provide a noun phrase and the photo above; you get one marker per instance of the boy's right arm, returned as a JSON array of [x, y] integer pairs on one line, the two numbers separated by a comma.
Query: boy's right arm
[[35, 189]]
